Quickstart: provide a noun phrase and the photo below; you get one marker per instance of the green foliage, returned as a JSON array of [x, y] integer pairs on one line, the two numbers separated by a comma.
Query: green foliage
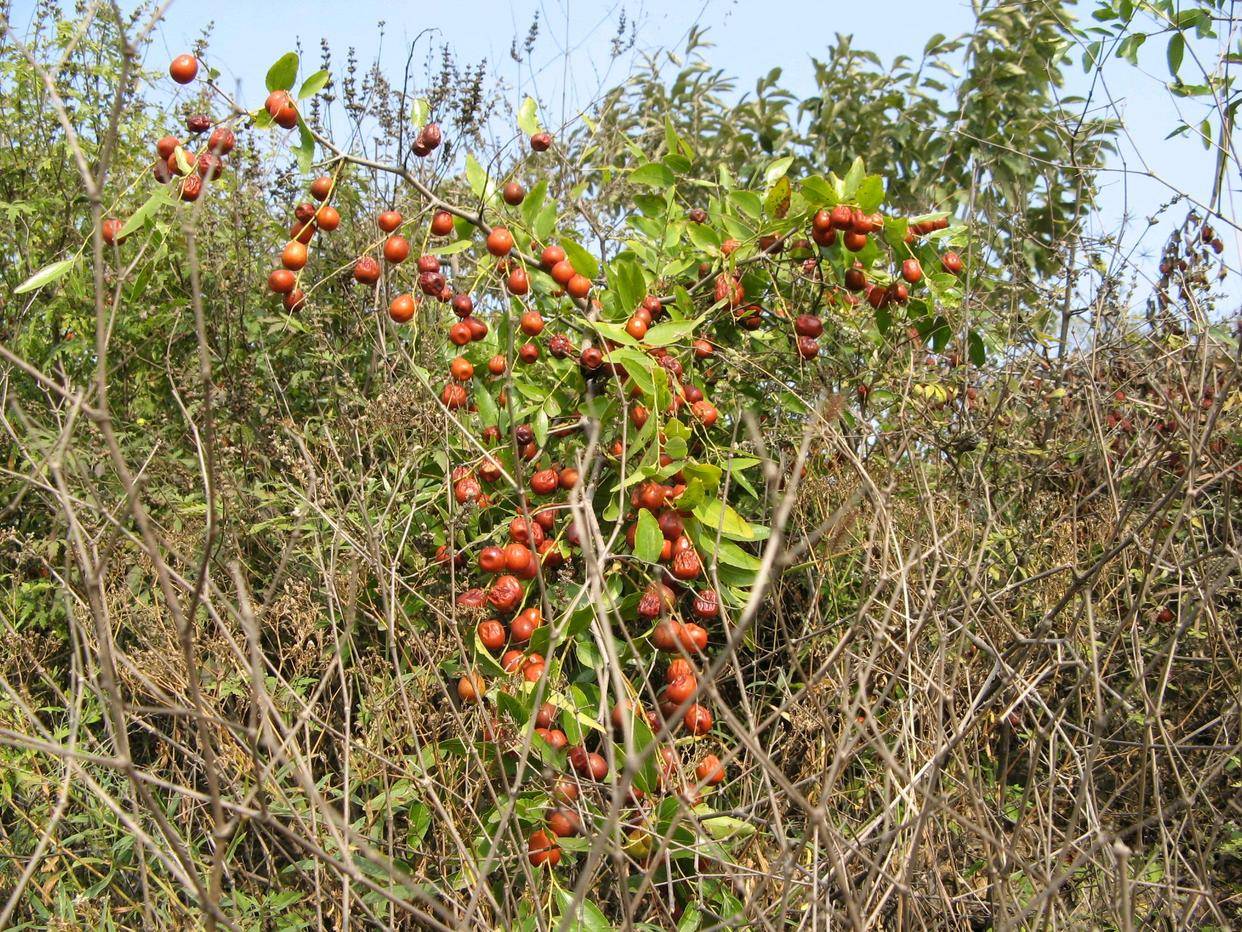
[[977, 125]]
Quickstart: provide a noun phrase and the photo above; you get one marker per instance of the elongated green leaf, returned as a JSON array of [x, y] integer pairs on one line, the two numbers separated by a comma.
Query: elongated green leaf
[[305, 149], [715, 514], [671, 332], [528, 117], [648, 541], [420, 111], [46, 275], [777, 169], [280, 76], [314, 84], [480, 184], [586, 918], [871, 193], [582, 261], [157, 200], [1175, 52], [776, 203], [489, 414], [654, 174], [626, 278]]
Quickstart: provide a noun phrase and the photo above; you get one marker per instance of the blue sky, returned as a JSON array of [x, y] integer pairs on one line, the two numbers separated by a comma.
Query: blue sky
[[750, 38]]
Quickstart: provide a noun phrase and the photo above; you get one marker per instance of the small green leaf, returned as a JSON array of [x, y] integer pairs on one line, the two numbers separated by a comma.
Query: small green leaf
[[724, 827], [853, 178], [715, 514], [157, 200], [671, 332], [777, 169], [476, 175], [314, 84], [654, 174], [280, 76], [626, 278], [305, 149], [978, 355], [528, 117], [586, 918], [1175, 52], [420, 111], [870, 193], [489, 414], [648, 540], [776, 203], [583, 262], [46, 275]]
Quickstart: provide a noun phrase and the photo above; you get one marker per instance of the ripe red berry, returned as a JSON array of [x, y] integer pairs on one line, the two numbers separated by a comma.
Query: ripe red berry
[[518, 281], [491, 634], [441, 223], [710, 770], [540, 142], [109, 230], [470, 688], [321, 187], [183, 69], [281, 281], [327, 218], [578, 287], [542, 849], [499, 242], [513, 193], [366, 271], [912, 271], [221, 141], [402, 308], [282, 109], [698, 719], [564, 822], [396, 249]]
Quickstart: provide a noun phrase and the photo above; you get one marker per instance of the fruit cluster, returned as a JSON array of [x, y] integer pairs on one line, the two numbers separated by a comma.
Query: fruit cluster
[[634, 454]]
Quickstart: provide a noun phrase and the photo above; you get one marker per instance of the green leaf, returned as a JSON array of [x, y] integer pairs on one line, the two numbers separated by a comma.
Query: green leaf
[[280, 76], [978, 354], [671, 332], [157, 200], [776, 203], [871, 193], [420, 821], [654, 174], [853, 178], [489, 414], [533, 202], [477, 177], [540, 427], [314, 84], [583, 262], [46, 275], [1175, 52], [747, 202], [723, 827], [586, 917], [305, 149], [648, 540], [528, 117], [625, 277], [615, 332], [420, 111], [715, 514], [777, 169]]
